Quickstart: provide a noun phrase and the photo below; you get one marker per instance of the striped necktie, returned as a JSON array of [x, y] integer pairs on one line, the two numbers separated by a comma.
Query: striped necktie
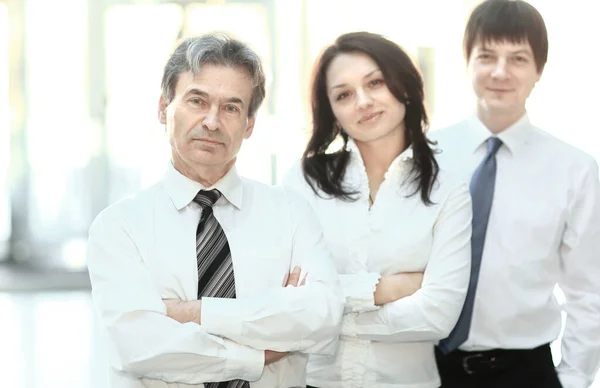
[[215, 268]]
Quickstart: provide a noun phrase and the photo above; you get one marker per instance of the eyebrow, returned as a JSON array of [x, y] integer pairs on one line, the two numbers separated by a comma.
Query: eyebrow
[[203, 94], [521, 51], [366, 76]]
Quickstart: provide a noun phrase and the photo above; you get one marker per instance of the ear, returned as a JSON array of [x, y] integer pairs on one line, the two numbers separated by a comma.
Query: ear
[[250, 127], [539, 75], [162, 110]]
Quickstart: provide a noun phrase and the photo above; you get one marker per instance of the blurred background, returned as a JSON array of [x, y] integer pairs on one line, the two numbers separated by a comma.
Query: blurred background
[[79, 88]]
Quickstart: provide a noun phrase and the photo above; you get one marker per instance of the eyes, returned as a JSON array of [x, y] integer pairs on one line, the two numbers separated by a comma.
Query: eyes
[[199, 103], [488, 58], [231, 108], [372, 84]]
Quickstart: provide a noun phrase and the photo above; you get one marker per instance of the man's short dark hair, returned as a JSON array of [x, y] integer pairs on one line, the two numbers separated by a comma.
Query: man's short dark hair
[[515, 21]]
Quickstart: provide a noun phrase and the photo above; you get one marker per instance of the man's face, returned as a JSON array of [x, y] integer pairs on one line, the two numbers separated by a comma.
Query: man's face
[[207, 120], [503, 75]]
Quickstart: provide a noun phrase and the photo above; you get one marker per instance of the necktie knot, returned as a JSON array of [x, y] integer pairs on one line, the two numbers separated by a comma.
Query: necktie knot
[[207, 198], [493, 145]]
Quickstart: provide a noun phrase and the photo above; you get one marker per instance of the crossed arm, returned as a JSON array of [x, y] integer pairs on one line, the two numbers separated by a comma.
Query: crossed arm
[[231, 341], [400, 309], [395, 287], [191, 311]]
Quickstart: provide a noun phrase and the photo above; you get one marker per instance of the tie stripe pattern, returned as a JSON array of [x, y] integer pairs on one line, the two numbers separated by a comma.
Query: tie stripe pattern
[[215, 268], [482, 188], [228, 384]]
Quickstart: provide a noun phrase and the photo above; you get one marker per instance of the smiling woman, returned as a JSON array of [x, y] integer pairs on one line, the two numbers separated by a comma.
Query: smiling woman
[[394, 222], [366, 88], [355, 81]]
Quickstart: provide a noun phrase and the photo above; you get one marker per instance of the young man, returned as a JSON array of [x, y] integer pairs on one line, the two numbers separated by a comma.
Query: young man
[[188, 275], [536, 206]]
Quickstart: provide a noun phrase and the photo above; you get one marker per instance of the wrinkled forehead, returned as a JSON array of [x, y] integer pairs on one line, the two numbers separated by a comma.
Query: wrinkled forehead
[[218, 80]]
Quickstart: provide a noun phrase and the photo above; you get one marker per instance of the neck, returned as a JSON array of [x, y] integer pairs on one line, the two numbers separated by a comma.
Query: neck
[[498, 122], [207, 176], [378, 155]]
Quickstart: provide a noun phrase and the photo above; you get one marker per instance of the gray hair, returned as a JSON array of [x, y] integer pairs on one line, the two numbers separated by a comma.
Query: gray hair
[[214, 49]]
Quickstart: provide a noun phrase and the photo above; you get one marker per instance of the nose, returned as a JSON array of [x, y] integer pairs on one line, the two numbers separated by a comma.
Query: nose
[[211, 121], [500, 71], [363, 99]]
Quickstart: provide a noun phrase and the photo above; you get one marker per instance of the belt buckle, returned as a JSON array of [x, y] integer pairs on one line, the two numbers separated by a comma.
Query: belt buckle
[[466, 359]]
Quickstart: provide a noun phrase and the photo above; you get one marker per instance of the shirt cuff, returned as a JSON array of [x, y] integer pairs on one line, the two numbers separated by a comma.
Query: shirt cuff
[[221, 316], [359, 290], [572, 381], [244, 363]]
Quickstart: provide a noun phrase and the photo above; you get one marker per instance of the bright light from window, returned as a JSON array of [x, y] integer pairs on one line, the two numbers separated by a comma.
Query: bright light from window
[[4, 129]]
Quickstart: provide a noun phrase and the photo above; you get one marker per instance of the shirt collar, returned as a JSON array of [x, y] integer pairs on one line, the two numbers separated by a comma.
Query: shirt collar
[[182, 190], [513, 137], [406, 155]]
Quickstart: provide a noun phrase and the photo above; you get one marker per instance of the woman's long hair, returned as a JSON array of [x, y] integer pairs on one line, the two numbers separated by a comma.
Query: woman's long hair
[[325, 171]]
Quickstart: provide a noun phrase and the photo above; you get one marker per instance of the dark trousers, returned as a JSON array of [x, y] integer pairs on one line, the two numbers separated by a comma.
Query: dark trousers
[[498, 368]]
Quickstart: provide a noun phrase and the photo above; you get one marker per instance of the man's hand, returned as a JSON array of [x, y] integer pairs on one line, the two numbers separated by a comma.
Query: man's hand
[[293, 279], [394, 287], [272, 356], [183, 312]]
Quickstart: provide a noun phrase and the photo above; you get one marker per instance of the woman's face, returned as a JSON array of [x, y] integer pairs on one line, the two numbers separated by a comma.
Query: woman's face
[[361, 101]]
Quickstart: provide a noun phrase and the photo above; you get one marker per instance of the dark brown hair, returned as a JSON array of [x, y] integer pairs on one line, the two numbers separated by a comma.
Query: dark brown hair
[[325, 171], [507, 20]]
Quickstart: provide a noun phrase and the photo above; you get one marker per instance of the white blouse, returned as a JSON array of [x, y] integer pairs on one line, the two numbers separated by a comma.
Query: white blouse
[[392, 345]]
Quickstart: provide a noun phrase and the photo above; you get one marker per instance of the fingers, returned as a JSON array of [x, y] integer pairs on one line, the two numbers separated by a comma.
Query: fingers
[[303, 282], [272, 356], [294, 277]]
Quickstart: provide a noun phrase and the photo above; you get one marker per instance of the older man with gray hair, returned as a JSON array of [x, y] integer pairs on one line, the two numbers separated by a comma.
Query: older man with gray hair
[[206, 278]]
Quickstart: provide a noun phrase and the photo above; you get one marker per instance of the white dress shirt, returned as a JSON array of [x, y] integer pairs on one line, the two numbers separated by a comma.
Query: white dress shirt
[[392, 345], [144, 249], [544, 230]]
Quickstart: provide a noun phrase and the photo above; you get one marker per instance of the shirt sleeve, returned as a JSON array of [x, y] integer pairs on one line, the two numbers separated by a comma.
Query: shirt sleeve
[[580, 257], [358, 289], [144, 341], [430, 313], [305, 318]]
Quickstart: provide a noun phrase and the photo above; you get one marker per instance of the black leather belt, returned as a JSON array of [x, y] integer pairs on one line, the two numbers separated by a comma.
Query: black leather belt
[[494, 360]]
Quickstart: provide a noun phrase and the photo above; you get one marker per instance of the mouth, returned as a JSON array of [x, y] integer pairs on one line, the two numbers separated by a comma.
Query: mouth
[[208, 141], [495, 90], [370, 117]]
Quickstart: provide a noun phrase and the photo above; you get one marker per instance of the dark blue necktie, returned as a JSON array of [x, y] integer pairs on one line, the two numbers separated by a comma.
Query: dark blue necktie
[[482, 196]]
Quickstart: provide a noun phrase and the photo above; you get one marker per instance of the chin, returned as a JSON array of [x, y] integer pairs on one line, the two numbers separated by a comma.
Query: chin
[[496, 106]]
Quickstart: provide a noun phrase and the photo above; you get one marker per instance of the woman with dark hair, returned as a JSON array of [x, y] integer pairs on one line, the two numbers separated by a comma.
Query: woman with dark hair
[[399, 227]]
